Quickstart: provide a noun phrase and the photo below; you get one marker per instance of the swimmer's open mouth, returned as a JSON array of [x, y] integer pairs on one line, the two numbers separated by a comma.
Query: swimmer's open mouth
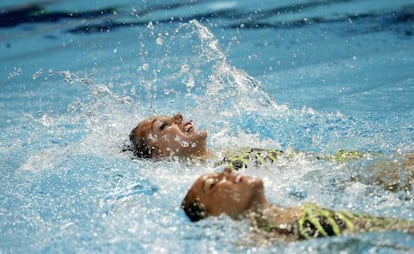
[[188, 127], [238, 179]]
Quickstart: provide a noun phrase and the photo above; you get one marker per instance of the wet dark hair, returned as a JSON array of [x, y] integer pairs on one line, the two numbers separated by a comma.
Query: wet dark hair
[[141, 149], [140, 146], [194, 210]]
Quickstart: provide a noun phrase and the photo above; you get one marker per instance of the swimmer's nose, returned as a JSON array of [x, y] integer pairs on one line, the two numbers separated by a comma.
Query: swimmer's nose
[[227, 171], [178, 118]]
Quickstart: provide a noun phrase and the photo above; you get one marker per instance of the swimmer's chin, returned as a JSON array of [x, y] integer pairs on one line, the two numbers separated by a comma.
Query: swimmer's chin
[[202, 134], [256, 186]]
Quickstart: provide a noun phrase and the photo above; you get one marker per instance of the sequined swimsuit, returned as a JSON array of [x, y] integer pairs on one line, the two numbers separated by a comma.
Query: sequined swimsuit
[[315, 222], [258, 156]]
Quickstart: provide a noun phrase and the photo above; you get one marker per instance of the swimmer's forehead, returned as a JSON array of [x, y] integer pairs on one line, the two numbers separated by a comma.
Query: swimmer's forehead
[[199, 183], [208, 176], [214, 174], [162, 118], [154, 119], [157, 121]]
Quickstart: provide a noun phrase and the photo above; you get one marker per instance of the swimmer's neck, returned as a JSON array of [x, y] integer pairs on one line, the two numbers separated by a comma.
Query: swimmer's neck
[[199, 156], [277, 214], [207, 154]]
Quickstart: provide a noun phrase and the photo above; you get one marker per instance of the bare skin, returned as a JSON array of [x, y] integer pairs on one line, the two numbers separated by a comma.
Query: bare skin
[[164, 136], [236, 195], [239, 196], [159, 137]]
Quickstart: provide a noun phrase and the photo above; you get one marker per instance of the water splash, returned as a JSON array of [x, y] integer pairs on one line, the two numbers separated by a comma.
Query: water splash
[[82, 192], [230, 92]]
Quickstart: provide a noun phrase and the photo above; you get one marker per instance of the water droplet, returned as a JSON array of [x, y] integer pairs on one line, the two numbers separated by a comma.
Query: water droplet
[[159, 40]]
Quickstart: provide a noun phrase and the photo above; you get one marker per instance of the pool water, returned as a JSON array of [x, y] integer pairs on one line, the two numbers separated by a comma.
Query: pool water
[[314, 76]]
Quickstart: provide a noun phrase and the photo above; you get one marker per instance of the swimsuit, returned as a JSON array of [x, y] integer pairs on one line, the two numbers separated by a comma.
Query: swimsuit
[[258, 156], [315, 222], [243, 157]]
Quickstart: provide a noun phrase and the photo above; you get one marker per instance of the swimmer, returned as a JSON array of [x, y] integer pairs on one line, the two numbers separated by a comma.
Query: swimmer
[[161, 136], [242, 197]]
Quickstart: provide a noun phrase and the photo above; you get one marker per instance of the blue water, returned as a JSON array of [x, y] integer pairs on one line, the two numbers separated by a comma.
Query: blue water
[[77, 76]]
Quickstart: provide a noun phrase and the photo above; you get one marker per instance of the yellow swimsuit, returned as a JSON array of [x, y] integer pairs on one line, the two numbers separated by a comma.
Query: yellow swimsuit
[[243, 157], [321, 222], [315, 221], [257, 156]]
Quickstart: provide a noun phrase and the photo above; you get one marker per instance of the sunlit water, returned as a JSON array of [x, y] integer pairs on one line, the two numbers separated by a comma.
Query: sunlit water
[[292, 75]]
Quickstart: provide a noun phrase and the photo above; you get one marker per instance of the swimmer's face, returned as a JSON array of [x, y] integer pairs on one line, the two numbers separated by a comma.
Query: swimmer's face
[[173, 136], [227, 192]]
